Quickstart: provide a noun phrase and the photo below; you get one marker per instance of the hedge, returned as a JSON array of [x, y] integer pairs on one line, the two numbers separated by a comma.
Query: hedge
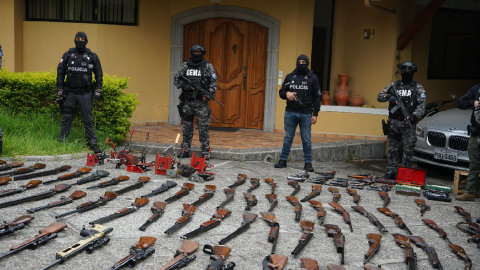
[[35, 92]]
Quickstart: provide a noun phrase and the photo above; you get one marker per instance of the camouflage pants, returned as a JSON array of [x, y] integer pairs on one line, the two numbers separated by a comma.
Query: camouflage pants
[[202, 111], [400, 133]]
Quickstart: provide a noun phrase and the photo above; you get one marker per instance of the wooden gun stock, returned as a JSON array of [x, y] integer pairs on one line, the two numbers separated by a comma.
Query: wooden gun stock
[[271, 182], [463, 213], [309, 264]]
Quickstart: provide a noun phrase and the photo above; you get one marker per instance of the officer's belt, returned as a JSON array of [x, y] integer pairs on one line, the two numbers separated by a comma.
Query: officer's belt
[[79, 91]]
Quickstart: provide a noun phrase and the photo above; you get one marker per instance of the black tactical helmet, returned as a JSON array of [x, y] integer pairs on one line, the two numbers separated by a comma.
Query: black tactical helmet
[[198, 48], [408, 66]]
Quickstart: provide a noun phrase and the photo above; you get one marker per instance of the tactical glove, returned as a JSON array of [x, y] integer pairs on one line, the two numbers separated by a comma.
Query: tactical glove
[[392, 99], [186, 87], [413, 119], [97, 94], [60, 92]]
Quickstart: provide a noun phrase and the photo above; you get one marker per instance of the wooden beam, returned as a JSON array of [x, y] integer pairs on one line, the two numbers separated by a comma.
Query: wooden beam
[[419, 22]]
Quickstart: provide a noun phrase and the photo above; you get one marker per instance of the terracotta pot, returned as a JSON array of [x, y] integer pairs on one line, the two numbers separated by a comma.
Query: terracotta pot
[[357, 101], [343, 80], [342, 96], [325, 98]]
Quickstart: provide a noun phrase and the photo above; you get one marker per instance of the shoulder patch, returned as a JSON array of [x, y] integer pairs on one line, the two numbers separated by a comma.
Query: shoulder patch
[[422, 95], [214, 75], [61, 60], [319, 92], [384, 91]]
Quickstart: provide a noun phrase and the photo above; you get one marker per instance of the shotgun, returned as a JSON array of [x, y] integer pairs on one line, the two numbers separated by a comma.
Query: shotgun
[[187, 213], [248, 218], [209, 192], [270, 218], [251, 200], [398, 220], [431, 253], [423, 207], [138, 252], [462, 255], [384, 196], [42, 173], [212, 223], [255, 184], [229, 192], [22, 188], [356, 197], [374, 243], [47, 194], [336, 194], [298, 206], [164, 187], [77, 194], [36, 166], [183, 192], [181, 259], [139, 202], [108, 196], [140, 183], [410, 255], [12, 165], [316, 189], [338, 238], [430, 223], [370, 217], [272, 183], [76, 174], [272, 199], [15, 225], [307, 230], [158, 208], [217, 257], [241, 178], [346, 216], [463, 213], [321, 211], [114, 181], [296, 187], [274, 261]]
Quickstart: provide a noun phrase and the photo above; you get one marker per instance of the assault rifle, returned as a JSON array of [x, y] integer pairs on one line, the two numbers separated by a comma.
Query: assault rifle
[[164, 187], [17, 224], [400, 106], [255, 184], [424, 208], [298, 206], [374, 243], [209, 192], [339, 239], [47, 194], [158, 208], [321, 211], [307, 229], [42, 173], [346, 216], [241, 178], [22, 188], [248, 218], [462, 255], [269, 217], [384, 196], [316, 189], [433, 225], [95, 238], [183, 192], [12, 165], [140, 183], [77, 194], [138, 252], [356, 197], [181, 258], [114, 181], [463, 213], [187, 213], [217, 257], [398, 220], [76, 174], [251, 200], [410, 255], [199, 89], [229, 192], [372, 267], [93, 177], [271, 182], [431, 253], [36, 166], [274, 261], [336, 194], [212, 223], [5, 180], [42, 238], [296, 187], [108, 196], [473, 229], [272, 199], [139, 202], [373, 219]]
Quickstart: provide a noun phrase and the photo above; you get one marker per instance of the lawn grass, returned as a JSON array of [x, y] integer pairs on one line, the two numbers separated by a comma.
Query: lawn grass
[[36, 134]]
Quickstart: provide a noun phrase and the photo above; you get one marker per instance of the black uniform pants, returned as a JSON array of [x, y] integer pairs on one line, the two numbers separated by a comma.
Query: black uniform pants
[[85, 102]]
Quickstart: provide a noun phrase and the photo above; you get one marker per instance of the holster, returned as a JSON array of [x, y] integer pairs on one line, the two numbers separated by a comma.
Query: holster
[[385, 126]]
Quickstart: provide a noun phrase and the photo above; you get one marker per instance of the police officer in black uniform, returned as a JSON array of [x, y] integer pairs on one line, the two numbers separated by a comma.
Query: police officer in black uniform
[[78, 64]]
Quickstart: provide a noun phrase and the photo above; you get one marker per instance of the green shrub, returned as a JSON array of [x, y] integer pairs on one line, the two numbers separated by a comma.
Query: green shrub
[[35, 92]]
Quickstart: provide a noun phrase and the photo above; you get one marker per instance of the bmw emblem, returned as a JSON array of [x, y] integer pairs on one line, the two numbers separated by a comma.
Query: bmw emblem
[[452, 128]]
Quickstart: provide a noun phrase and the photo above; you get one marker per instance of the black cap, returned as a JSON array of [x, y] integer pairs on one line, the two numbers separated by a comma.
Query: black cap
[[304, 57]]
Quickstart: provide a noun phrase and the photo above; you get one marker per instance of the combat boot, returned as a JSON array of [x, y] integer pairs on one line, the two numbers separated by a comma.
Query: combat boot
[[465, 197], [390, 176], [308, 167], [94, 147], [206, 155], [185, 154], [281, 164]]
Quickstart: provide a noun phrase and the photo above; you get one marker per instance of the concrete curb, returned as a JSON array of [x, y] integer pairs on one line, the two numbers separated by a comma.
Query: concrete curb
[[47, 158]]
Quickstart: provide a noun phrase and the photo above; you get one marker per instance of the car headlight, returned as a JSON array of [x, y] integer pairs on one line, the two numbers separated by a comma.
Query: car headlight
[[420, 132]]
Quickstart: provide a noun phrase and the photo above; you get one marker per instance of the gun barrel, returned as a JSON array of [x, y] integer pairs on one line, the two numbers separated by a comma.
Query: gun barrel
[[227, 200], [182, 263], [273, 205], [83, 209], [301, 245], [113, 216], [201, 230], [236, 233], [177, 226], [40, 196], [52, 264], [11, 192], [202, 199], [151, 220], [64, 202], [156, 191]]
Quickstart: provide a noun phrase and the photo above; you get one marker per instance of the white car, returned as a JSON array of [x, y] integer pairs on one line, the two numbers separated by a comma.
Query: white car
[[442, 139]]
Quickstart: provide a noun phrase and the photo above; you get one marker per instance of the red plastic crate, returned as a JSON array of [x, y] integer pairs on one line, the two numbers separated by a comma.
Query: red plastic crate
[[411, 176]]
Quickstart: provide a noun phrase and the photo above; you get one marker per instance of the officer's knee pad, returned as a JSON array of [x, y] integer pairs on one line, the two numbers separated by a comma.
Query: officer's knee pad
[[188, 118]]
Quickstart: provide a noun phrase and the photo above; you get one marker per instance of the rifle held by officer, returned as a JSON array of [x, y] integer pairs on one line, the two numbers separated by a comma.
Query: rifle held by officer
[[401, 107], [199, 88]]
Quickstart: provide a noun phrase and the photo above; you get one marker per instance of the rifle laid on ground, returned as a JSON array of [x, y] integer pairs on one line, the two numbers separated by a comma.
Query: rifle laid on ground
[[410, 255], [42, 173], [298, 206], [463, 213], [212, 223], [42, 238], [373, 219], [356, 197], [93, 177], [430, 223], [346, 216], [12, 165], [272, 183], [140, 183], [198, 89], [95, 238], [181, 258], [274, 261], [374, 243], [321, 211], [36, 166], [316, 189], [114, 181], [183, 192], [5, 180], [248, 218], [217, 257], [108, 196], [372, 267], [229, 192], [474, 231], [77, 194], [307, 230], [339, 239], [462, 255], [187, 213], [309, 264], [76, 174], [384, 196], [164, 187], [241, 178], [17, 224], [158, 208], [272, 199], [336, 194], [209, 192], [251, 200], [398, 220], [139, 202], [269, 217], [335, 267], [296, 187], [431, 253], [47, 194], [424, 208], [138, 252], [22, 188], [255, 184]]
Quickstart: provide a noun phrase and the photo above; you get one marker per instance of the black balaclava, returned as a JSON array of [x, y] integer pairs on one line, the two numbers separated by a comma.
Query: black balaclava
[[407, 77], [302, 68], [197, 58], [81, 46]]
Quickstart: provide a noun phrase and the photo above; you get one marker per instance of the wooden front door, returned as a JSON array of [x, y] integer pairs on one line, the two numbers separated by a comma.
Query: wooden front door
[[238, 51]]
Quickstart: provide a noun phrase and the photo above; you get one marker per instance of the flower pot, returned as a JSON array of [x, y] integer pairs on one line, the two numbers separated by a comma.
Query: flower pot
[[325, 98], [343, 80], [357, 101], [342, 96]]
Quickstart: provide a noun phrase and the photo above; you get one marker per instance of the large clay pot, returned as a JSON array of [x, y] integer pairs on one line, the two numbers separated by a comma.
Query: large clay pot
[[325, 98], [342, 96], [357, 101], [343, 80]]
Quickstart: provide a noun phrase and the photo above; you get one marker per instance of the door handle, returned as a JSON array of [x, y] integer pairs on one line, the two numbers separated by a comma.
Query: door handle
[[244, 81]]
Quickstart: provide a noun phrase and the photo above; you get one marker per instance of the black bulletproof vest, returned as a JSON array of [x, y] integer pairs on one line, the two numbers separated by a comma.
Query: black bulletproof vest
[[408, 95], [301, 84], [79, 70]]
